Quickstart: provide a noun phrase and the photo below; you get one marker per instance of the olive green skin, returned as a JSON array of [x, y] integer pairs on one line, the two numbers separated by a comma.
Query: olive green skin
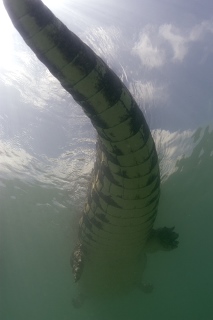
[[123, 195]]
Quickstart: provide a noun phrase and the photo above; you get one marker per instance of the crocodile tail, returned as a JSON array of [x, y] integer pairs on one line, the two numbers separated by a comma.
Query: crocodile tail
[[99, 91], [123, 197]]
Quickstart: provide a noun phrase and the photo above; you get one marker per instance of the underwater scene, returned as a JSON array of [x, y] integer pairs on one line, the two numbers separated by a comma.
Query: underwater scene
[[162, 51]]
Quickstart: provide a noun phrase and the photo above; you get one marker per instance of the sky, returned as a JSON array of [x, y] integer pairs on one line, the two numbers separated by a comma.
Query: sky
[[162, 51]]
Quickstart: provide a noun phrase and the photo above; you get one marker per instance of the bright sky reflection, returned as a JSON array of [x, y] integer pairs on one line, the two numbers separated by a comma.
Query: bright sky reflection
[[6, 34]]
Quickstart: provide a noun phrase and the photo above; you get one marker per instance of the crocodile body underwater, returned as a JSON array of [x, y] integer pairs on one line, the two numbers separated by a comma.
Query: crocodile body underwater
[[116, 227]]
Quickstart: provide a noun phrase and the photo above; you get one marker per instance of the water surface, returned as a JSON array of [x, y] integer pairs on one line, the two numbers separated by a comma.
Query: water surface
[[163, 52]]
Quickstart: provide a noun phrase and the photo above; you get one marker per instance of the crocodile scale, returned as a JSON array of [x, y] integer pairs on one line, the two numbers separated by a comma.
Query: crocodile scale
[[123, 195]]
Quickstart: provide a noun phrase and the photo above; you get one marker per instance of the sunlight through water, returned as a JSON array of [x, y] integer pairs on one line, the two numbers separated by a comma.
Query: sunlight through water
[[163, 52]]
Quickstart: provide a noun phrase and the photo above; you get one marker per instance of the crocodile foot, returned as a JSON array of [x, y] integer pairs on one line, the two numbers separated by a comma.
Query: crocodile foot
[[167, 238], [145, 287]]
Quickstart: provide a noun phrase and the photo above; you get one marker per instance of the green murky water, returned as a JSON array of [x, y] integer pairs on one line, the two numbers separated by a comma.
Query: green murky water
[[47, 152], [38, 232]]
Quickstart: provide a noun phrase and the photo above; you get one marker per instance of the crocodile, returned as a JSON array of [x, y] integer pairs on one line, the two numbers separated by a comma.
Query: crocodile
[[116, 227]]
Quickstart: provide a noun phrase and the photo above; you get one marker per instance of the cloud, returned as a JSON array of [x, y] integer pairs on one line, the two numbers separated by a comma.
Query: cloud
[[157, 46], [175, 39], [150, 54], [199, 30], [149, 92]]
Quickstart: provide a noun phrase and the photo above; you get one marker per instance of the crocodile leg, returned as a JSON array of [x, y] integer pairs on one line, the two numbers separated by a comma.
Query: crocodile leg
[[162, 239]]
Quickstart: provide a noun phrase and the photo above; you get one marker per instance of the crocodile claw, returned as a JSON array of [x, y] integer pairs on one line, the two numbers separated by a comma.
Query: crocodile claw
[[168, 238]]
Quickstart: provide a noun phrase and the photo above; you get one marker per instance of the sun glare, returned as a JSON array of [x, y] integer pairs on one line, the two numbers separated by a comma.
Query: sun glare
[[53, 4], [6, 35], [7, 31]]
